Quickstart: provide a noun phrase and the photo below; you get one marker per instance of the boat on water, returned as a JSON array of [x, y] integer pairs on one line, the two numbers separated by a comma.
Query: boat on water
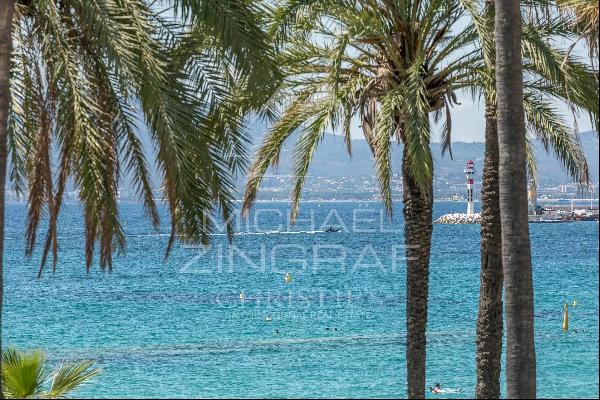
[[548, 221]]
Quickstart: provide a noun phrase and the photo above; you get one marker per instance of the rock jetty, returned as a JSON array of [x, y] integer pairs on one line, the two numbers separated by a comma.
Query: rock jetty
[[458, 218]]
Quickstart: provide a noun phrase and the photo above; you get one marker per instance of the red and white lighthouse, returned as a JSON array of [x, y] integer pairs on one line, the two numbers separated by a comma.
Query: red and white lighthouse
[[470, 173]]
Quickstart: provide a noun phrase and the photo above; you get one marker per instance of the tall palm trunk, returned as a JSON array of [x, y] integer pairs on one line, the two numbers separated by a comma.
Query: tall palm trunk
[[418, 227], [489, 320], [6, 15], [516, 251]]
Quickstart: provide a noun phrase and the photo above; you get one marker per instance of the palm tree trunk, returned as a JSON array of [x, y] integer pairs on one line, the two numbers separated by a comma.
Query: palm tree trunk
[[516, 251], [418, 227], [489, 320], [6, 16]]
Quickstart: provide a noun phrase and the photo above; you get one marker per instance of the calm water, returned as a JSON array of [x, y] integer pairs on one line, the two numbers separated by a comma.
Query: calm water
[[180, 329]]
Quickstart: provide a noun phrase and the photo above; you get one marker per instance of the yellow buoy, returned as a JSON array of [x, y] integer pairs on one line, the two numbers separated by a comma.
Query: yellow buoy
[[242, 296], [565, 324], [288, 278]]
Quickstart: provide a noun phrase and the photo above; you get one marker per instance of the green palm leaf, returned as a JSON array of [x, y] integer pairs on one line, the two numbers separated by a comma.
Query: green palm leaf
[[69, 377], [23, 374]]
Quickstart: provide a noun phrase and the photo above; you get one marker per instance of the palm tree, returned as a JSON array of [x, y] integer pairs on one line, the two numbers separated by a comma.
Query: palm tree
[[89, 68], [26, 375], [489, 319], [551, 74], [81, 74], [6, 16], [512, 172], [392, 65]]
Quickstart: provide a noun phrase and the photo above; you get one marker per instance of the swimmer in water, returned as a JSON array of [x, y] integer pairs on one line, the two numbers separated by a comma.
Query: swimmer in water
[[436, 389]]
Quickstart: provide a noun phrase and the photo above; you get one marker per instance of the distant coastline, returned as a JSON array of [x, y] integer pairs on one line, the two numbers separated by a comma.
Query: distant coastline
[[265, 201]]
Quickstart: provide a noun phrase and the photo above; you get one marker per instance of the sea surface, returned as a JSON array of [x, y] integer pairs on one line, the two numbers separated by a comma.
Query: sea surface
[[223, 322]]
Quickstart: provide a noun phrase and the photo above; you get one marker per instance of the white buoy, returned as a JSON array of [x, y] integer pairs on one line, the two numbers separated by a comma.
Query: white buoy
[[242, 296], [288, 278]]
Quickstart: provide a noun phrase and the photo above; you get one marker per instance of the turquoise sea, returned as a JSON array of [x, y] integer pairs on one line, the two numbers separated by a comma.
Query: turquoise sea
[[181, 329]]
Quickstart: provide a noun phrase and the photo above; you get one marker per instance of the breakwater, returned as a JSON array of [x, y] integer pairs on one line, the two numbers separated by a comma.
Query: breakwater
[[458, 218]]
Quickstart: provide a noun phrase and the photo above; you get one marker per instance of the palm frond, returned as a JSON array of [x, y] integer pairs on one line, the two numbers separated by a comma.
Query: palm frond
[[23, 374], [587, 21], [82, 75], [268, 153], [544, 121], [71, 376], [305, 149]]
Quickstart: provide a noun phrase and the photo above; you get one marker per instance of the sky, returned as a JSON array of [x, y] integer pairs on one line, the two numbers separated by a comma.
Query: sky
[[468, 122]]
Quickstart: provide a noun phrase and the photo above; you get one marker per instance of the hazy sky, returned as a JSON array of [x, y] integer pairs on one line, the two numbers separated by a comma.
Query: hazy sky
[[468, 121]]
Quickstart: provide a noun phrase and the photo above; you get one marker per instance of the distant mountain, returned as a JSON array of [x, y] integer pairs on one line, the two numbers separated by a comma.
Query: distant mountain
[[332, 160]]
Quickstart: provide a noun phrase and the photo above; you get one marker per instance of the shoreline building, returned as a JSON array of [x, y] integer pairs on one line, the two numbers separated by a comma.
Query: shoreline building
[[469, 174]]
